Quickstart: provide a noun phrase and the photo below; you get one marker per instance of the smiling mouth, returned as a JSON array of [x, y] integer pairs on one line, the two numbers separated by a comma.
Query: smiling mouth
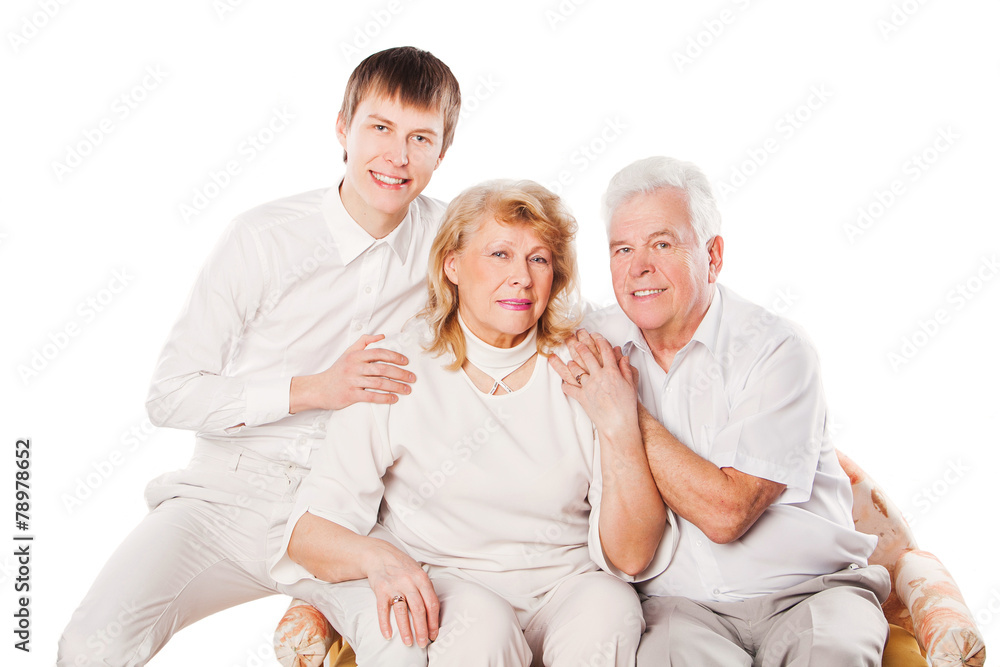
[[515, 304], [647, 292], [388, 180]]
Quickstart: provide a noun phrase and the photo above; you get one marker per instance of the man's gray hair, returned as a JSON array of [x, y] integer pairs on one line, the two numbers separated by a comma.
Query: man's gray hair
[[654, 173]]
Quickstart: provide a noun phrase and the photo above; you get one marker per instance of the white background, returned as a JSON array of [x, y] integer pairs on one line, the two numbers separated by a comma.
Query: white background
[[541, 81]]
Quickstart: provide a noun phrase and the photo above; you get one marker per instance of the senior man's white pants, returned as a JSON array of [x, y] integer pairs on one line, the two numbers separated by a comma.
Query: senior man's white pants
[[202, 548], [829, 621]]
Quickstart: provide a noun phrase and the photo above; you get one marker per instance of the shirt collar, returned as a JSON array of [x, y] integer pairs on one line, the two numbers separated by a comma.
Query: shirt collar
[[707, 332], [352, 240]]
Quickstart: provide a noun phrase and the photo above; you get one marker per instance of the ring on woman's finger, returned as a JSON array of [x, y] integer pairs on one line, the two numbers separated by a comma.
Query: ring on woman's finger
[[580, 376], [397, 598]]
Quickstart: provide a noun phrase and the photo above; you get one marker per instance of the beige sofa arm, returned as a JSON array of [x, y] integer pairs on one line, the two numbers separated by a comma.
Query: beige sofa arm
[[303, 636], [942, 622]]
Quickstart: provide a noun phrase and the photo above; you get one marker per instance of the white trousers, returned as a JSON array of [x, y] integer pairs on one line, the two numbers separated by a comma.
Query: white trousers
[[588, 620], [202, 548], [828, 621]]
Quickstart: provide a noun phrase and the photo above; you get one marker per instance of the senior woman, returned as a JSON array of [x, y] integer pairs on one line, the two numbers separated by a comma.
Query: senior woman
[[479, 507]]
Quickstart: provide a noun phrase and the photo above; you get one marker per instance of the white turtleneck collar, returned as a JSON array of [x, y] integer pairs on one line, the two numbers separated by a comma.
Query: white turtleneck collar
[[498, 362]]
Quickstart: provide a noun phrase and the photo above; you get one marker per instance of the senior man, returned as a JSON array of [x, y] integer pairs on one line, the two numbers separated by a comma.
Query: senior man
[[768, 569]]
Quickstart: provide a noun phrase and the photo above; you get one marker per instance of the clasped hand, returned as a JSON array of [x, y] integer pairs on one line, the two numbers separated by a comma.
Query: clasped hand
[[600, 377]]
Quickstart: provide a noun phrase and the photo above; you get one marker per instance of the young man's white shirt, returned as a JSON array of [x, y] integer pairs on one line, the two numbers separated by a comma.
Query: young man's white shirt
[[290, 286]]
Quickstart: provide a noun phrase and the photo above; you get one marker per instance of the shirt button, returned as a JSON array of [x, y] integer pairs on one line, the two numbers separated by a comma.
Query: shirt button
[[715, 591], [698, 542], [368, 289], [357, 326]]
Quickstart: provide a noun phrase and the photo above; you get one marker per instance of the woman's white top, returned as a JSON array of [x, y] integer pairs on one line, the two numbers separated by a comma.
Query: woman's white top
[[505, 487]]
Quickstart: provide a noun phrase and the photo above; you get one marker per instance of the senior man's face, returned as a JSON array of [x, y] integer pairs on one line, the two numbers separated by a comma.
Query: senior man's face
[[504, 278], [662, 274]]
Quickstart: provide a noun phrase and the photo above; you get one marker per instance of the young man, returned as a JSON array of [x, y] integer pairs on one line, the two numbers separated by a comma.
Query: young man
[[274, 334]]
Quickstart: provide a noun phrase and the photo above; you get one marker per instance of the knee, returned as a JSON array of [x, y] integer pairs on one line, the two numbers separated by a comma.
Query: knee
[[479, 625], [607, 608], [85, 644]]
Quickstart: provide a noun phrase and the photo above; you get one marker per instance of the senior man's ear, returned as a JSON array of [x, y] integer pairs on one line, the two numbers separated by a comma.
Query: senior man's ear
[[715, 247]]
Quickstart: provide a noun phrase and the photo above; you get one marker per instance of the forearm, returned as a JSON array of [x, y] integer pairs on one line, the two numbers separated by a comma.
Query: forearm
[[203, 401], [633, 515], [329, 551], [695, 488]]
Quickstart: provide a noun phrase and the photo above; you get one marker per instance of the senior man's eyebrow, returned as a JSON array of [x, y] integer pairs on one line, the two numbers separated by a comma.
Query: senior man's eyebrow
[[664, 232], [661, 232]]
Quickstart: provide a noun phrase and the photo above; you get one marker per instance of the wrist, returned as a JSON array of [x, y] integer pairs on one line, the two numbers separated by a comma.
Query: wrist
[[300, 394]]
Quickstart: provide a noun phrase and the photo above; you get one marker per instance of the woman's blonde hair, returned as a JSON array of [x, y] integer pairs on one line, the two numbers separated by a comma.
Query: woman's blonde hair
[[509, 203]]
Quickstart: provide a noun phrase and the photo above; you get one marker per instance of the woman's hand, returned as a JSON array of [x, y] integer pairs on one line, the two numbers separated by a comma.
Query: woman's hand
[[601, 379], [404, 589], [334, 553]]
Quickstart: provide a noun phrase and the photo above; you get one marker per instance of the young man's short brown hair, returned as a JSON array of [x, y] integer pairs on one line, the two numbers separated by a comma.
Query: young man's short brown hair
[[415, 77]]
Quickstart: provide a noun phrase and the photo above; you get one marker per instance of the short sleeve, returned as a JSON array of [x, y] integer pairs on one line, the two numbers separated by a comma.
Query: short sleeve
[[777, 420]]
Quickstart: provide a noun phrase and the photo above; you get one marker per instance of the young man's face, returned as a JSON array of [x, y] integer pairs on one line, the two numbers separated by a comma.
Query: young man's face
[[392, 151]]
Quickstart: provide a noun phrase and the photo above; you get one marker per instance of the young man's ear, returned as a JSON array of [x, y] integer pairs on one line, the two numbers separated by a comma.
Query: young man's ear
[[341, 130]]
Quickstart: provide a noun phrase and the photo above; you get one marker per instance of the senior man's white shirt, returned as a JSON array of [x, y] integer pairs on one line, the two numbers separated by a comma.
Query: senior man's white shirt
[[746, 393], [289, 287]]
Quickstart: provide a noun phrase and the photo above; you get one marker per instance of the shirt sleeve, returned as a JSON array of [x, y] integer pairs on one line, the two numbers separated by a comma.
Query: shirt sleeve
[[778, 420], [664, 552], [345, 484], [190, 388]]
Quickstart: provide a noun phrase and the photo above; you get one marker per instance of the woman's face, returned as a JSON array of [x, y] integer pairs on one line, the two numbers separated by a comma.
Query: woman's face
[[504, 277]]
